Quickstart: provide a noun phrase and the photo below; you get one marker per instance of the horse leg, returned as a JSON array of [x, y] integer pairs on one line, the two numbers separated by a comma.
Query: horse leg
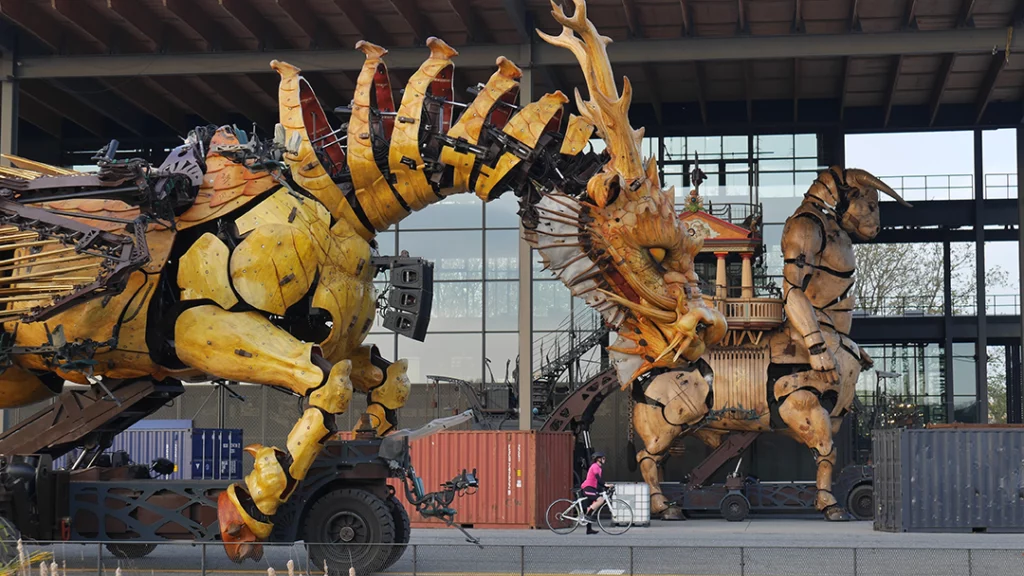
[[664, 406], [811, 424]]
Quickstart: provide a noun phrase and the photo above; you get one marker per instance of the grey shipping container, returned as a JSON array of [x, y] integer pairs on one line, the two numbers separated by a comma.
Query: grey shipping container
[[949, 479]]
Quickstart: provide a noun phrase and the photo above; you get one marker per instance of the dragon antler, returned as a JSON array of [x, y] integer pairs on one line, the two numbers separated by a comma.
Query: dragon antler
[[606, 110]]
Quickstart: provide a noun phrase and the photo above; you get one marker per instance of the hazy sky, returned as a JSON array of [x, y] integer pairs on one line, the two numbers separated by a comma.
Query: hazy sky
[[936, 153]]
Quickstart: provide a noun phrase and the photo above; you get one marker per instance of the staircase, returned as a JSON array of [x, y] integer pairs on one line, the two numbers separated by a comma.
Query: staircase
[[566, 359]]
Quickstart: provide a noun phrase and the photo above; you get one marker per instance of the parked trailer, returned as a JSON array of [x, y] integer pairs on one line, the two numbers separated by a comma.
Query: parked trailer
[[350, 477]]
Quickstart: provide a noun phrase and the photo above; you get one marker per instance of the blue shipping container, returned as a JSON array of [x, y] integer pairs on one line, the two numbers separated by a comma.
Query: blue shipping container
[[148, 440], [200, 453], [216, 454]]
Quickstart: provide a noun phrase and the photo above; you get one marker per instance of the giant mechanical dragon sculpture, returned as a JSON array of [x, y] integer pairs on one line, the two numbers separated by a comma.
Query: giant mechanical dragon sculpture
[[250, 260]]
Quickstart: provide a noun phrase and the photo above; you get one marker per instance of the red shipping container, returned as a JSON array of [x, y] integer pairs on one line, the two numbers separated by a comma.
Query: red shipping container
[[520, 474]]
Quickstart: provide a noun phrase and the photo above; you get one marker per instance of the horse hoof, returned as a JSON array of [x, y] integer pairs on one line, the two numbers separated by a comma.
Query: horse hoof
[[835, 513]]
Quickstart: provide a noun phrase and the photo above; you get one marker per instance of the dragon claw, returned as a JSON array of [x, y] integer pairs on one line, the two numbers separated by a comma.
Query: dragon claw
[[242, 535]]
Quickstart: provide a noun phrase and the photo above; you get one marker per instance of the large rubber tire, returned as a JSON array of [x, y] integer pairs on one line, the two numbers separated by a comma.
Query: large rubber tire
[[861, 502], [734, 508], [129, 551], [403, 530], [349, 528]]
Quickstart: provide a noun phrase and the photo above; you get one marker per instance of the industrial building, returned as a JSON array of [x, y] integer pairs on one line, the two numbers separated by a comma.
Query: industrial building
[[760, 95]]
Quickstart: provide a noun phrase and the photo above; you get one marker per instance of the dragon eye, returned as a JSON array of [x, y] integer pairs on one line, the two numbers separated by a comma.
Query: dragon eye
[[657, 254]]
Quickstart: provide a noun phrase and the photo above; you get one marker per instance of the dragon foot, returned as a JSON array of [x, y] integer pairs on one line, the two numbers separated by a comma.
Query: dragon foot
[[835, 513], [239, 530]]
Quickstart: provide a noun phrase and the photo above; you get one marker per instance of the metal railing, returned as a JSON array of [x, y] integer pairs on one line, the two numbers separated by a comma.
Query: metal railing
[[931, 305], [575, 555], [998, 186]]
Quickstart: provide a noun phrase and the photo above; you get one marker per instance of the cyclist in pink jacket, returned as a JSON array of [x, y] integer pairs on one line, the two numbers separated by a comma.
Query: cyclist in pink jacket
[[592, 487]]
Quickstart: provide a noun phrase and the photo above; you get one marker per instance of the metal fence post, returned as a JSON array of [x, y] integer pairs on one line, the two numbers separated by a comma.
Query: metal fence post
[[99, 559], [970, 562], [202, 560], [414, 548], [854, 562], [743, 561], [631, 561], [522, 561]]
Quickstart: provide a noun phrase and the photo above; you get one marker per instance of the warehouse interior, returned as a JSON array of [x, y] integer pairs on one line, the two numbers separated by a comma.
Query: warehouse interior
[[764, 93]]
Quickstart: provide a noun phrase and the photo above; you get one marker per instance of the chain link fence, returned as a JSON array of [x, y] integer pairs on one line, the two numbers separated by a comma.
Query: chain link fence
[[591, 556]]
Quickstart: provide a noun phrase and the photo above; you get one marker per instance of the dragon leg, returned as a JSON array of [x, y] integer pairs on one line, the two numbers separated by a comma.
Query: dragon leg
[[811, 424], [247, 347], [385, 384], [664, 406]]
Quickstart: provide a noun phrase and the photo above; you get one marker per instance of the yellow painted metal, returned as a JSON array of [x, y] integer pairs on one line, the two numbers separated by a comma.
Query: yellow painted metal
[[306, 168], [226, 185], [577, 135], [267, 482], [410, 181], [203, 272], [19, 387], [305, 442], [372, 190], [259, 529], [274, 267], [394, 391], [527, 126], [246, 347], [334, 396], [364, 374], [378, 419], [504, 82]]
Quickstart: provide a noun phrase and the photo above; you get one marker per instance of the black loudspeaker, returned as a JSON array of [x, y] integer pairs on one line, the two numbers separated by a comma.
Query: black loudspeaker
[[410, 297]]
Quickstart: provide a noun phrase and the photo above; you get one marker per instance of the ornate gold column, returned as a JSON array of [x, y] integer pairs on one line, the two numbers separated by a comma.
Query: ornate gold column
[[721, 289], [748, 276]]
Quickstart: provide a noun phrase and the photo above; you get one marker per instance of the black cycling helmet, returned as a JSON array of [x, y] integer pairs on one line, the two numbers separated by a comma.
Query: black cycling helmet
[[596, 456]]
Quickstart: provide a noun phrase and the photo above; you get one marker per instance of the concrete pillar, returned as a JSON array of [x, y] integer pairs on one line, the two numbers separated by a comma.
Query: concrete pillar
[[748, 276], [721, 286], [525, 296]]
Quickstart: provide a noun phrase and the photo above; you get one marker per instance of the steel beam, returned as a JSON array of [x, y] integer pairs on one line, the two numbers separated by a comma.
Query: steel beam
[[62, 104], [31, 111], [369, 29], [945, 71], [910, 20], [153, 103], [525, 343], [981, 345], [1020, 245], [421, 28], [966, 14], [988, 84], [31, 18], [198, 103], [516, 10], [138, 18], [947, 329], [261, 29], [891, 96], [8, 108], [964, 41], [475, 28]]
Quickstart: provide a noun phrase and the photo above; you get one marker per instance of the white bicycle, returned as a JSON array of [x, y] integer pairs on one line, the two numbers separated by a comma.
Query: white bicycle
[[614, 517]]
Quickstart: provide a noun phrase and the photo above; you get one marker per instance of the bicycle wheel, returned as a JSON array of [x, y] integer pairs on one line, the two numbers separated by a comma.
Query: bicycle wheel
[[562, 516], [615, 517]]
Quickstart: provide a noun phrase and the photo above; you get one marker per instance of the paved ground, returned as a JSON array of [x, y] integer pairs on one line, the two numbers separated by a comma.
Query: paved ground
[[758, 547]]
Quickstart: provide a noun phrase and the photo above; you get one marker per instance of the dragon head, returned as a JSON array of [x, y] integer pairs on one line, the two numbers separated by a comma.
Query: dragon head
[[620, 245]]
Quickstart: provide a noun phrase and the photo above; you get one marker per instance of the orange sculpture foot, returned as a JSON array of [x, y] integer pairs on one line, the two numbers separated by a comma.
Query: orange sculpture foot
[[241, 533]]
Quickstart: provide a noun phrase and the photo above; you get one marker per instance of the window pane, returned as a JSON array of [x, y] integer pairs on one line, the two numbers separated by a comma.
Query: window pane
[[386, 243], [734, 146], [775, 146], [550, 304], [502, 254], [456, 255], [385, 343], [502, 213], [806, 145], [502, 348], [454, 355], [457, 307], [502, 306], [456, 211]]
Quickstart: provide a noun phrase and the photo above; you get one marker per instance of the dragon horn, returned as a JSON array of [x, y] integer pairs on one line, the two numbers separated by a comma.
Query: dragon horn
[[867, 178]]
